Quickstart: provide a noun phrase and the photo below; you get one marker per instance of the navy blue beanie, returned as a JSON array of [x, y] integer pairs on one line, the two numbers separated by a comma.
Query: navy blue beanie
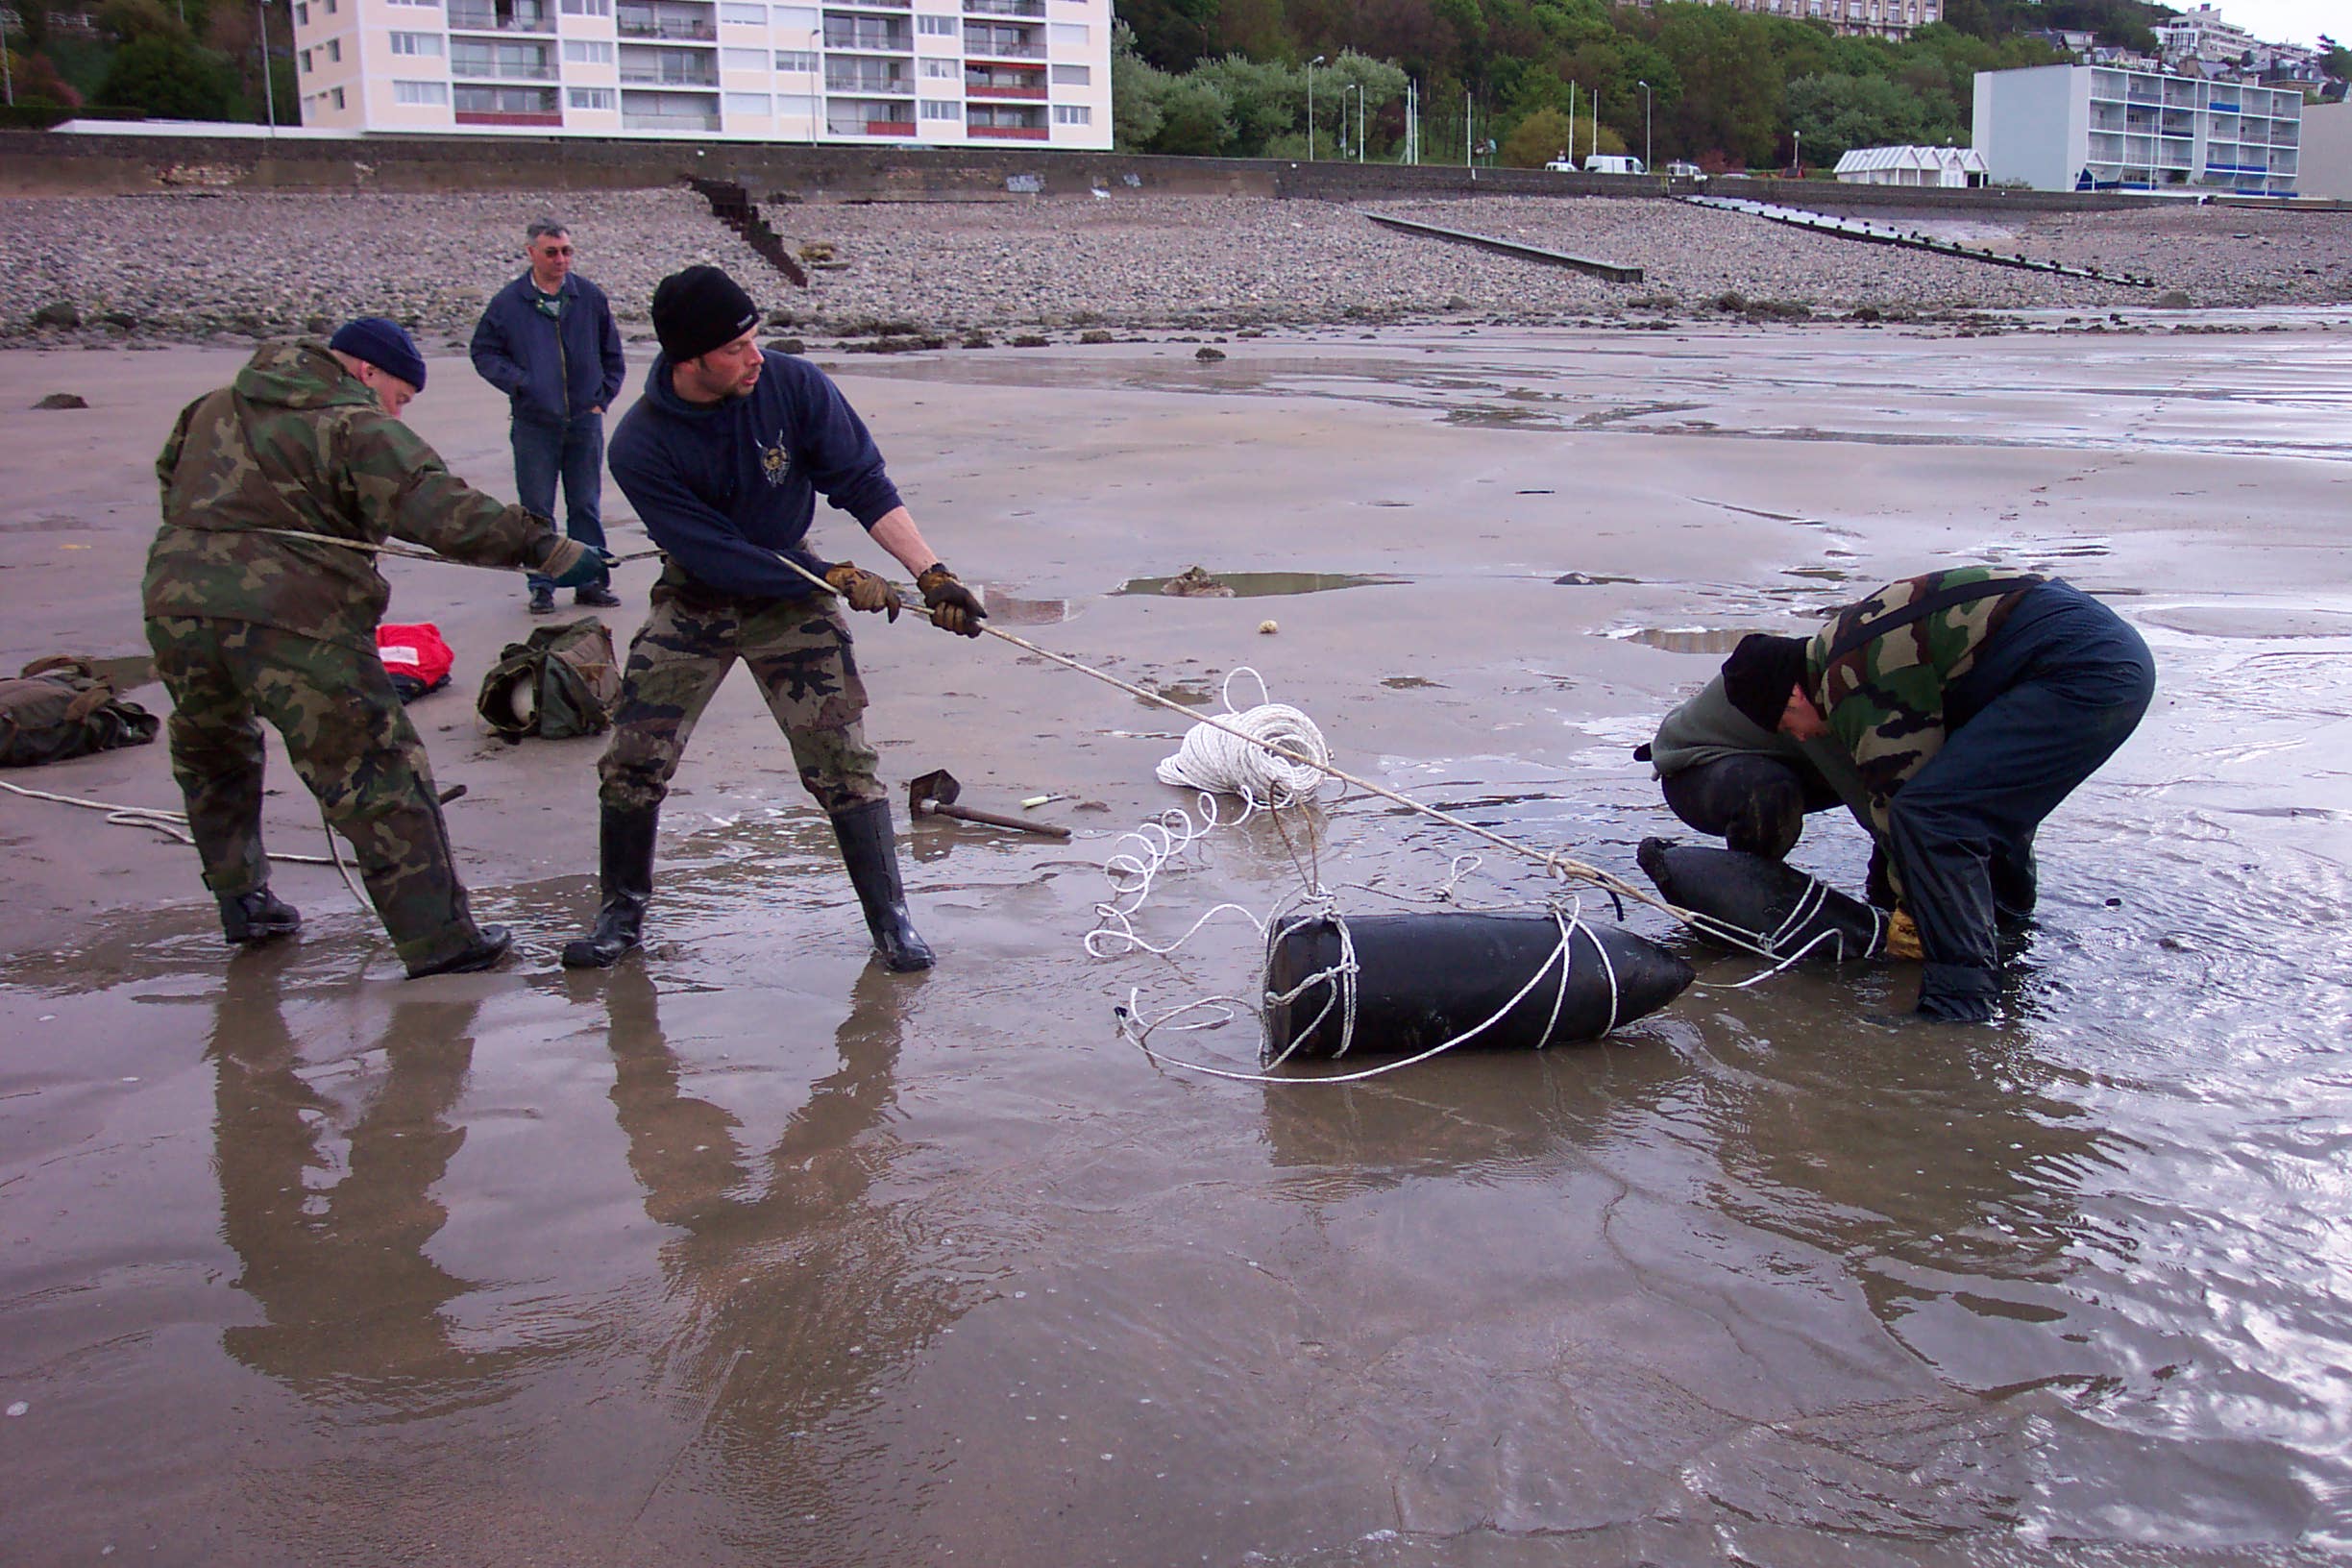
[[384, 344]]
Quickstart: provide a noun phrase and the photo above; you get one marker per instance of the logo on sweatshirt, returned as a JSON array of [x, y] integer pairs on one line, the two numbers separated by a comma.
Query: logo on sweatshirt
[[775, 462]]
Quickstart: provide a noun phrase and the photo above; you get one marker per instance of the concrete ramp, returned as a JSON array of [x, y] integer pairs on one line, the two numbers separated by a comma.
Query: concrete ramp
[[1909, 239]]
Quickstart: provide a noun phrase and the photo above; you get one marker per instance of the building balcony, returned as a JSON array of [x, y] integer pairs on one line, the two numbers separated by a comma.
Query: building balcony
[[1003, 51], [861, 127], [486, 117], [869, 5], [466, 20], [1009, 132], [1033, 92], [469, 71], [705, 82], [870, 41], [669, 122], [893, 86], [680, 31], [1004, 8]]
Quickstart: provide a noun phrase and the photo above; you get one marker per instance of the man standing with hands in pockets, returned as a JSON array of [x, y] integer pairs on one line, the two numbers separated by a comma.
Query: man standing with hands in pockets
[[548, 341]]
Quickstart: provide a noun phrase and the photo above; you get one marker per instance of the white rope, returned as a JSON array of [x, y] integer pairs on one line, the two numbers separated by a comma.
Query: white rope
[[1242, 758], [174, 825]]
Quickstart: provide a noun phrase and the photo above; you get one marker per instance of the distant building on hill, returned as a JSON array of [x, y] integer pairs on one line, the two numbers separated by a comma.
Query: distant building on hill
[[2200, 34], [946, 73], [1859, 18], [1945, 167], [2096, 126]]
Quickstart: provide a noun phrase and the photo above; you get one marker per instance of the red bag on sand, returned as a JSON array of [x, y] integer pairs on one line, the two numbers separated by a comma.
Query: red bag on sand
[[415, 657]]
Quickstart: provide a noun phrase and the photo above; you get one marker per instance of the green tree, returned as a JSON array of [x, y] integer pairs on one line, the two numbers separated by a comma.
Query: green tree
[[1536, 140], [1836, 114], [1195, 119], [1265, 99], [170, 80], [1136, 90]]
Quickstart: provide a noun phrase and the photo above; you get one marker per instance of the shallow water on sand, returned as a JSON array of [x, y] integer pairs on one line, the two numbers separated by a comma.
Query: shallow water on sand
[[750, 1252]]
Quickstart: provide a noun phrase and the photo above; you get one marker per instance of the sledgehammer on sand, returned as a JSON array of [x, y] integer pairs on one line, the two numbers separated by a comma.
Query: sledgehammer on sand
[[934, 794]]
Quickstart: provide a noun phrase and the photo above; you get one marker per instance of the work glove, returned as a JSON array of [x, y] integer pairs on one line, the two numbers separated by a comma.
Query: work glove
[[572, 564], [862, 589], [1902, 938], [953, 607]]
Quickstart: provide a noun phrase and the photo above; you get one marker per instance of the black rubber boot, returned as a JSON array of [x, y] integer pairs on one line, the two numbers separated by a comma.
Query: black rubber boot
[[869, 849], [626, 847], [251, 918], [490, 944]]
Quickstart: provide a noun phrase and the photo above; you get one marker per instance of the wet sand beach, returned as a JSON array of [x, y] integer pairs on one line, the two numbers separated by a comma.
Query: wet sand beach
[[750, 1253]]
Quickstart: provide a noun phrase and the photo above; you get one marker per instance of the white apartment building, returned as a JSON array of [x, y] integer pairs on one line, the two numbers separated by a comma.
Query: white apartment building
[[2200, 34], [2054, 127], [949, 73], [1862, 18]]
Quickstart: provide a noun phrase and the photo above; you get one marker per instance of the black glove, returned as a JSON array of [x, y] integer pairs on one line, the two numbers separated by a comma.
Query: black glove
[[593, 568], [953, 607], [862, 589]]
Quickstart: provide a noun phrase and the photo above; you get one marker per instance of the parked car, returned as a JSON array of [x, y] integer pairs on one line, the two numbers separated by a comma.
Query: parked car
[[1612, 163], [1562, 165], [1685, 171]]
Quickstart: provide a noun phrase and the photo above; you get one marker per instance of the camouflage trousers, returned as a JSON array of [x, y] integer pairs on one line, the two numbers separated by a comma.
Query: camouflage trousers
[[798, 649], [352, 745]]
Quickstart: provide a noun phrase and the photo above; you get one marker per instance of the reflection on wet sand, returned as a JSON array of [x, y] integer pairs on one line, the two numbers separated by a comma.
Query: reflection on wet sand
[[802, 1293], [351, 1303]]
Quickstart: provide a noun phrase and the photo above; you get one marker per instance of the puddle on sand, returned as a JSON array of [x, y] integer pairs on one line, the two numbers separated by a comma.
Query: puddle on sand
[[1011, 611], [1269, 584], [1683, 639], [2269, 621]]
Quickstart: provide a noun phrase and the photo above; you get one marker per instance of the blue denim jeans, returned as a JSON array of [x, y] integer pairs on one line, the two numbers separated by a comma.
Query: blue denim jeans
[[574, 452]]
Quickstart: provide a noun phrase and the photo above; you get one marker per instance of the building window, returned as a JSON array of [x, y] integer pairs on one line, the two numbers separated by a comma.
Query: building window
[[743, 60], [796, 106], [335, 97], [795, 18], [587, 8], [746, 102], [795, 59], [305, 62], [331, 7], [938, 68], [936, 27], [734, 11], [434, 3], [1068, 34], [592, 98], [1074, 76], [334, 51], [1073, 115], [420, 92], [302, 12], [588, 52], [939, 110], [416, 43]]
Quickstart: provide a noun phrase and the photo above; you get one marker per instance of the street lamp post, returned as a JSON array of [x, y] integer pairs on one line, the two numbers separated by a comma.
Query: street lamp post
[[269, 88], [1311, 66], [1360, 129], [7, 71], [1645, 86], [1797, 139], [1356, 87]]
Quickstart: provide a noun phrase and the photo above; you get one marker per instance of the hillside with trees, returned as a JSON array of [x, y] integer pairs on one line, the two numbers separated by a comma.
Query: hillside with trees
[[1726, 88]]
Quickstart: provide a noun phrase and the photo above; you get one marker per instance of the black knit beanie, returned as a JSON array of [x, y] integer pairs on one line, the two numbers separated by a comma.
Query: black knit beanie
[[1760, 675], [701, 310]]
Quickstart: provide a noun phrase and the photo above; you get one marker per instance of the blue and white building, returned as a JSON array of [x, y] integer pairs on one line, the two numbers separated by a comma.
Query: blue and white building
[[2103, 127]]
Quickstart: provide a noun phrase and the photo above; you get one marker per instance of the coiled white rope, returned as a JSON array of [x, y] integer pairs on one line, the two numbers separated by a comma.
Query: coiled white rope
[[174, 825], [1240, 756]]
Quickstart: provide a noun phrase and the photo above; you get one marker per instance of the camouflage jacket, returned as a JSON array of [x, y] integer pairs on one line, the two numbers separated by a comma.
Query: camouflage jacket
[[1878, 671], [299, 443]]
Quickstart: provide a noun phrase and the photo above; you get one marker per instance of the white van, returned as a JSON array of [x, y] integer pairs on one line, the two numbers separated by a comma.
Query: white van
[[1612, 163]]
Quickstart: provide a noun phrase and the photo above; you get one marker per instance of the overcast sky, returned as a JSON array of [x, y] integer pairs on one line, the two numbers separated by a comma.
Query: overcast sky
[[2284, 21]]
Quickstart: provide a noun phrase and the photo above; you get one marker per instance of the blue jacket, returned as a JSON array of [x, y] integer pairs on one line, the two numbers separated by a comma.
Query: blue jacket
[[550, 370], [726, 488]]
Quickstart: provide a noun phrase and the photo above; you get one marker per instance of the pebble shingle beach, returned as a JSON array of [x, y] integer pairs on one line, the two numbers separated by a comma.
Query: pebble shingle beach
[[194, 266]]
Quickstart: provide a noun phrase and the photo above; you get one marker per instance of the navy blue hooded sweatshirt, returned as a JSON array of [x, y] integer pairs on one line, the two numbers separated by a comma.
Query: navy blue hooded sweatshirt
[[551, 370], [724, 488]]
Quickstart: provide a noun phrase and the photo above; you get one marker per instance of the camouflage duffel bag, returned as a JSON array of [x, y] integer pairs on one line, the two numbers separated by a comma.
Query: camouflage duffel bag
[[63, 707], [560, 681]]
